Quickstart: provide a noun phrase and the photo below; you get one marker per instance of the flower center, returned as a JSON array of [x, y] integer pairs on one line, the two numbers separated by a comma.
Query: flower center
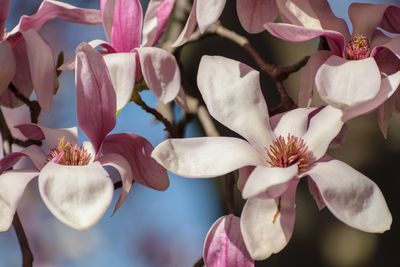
[[284, 152], [67, 154], [358, 47]]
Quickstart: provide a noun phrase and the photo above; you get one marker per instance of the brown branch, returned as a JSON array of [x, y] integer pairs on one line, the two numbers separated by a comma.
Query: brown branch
[[27, 256], [117, 185], [229, 193], [34, 106], [199, 263]]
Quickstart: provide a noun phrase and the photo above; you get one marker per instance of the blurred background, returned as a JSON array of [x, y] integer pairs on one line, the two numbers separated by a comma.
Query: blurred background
[[163, 229]]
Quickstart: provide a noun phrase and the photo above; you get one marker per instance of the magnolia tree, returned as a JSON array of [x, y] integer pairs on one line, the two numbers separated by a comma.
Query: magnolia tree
[[353, 72]]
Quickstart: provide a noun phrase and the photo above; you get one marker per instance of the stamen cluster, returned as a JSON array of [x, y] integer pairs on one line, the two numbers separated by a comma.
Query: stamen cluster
[[358, 48], [67, 154], [284, 152]]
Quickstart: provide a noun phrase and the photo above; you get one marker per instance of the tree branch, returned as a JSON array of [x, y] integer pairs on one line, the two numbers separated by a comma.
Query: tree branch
[[199, 263], [34, 106], [27, 256]]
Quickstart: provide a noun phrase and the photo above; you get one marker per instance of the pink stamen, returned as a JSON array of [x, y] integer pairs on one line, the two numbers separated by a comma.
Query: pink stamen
[[67, 154], [358, 48]]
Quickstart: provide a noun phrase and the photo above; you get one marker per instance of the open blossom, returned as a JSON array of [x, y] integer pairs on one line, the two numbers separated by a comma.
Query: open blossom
[[72, 181], [272, 159], [339, 75], [130, 53], [253, 14], [27, 60]]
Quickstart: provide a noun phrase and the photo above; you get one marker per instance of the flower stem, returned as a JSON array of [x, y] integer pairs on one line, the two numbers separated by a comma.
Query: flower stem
[[27, 256]]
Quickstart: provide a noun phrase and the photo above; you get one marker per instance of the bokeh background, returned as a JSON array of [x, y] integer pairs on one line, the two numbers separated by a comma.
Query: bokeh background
[[163, 229]]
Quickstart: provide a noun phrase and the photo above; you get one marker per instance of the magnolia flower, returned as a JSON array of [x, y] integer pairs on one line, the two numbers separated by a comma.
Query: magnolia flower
[[27, 60], [224, 245], [72, 180], [130, 54], [339, 74], [273, 158], [253, 14]]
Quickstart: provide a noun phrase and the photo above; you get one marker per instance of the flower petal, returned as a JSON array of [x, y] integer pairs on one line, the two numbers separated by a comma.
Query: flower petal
[[323, 128], [208, 12], [50, 137], [189, 28], [224, 245], [267, 224], [254, 14], [389, 85], [351, 196], [124, 169], [122, 70], [77, 195], [43, 70], [205, 157], [232, 93], [137, 151], [12, 186], [7, 65], [307, 77], [342, 82], [294, 122], [161, 72], [156, 20], [127, 25], [273, 182], [50, 9], [96, 100], [107, 14], [314, 191], [244, 174], [294, 33], [4, 12]]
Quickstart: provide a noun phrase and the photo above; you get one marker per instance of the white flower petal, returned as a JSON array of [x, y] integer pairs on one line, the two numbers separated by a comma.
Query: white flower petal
[[77, 195], [205, 157], [294, 122], [351, 196]]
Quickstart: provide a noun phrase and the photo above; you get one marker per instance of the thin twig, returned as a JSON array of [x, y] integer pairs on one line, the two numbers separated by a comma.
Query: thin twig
[[199, 263], [34, 106], [27, 256]]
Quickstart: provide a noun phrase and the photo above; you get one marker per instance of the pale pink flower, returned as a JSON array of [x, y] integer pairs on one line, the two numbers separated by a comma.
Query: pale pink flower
[[130, 52], [224, 245], [339, 75], [26, 58], [72, 181], [272, 159], [253, 14]]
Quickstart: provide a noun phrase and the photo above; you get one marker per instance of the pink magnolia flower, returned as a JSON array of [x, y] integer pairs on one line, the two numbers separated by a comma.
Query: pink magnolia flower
[[272, 159], [72, 181], [253, 14], [339, 75], [130, 53], [224, 245], [27, 60]]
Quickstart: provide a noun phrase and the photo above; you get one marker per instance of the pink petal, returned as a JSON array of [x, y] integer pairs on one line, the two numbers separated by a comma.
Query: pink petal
[[323, 128], [77, 195], [307, 77], [244, 174], [314, 191], [156, 20], [127, 25], [294, 33], [385, 113], [161, 72], [33, 152], [294, 122], [50, 137], [205, 157], [4, 12], [351, 197], [124, 169], [267, 225], [50, 9], [273, 182], [107, 14], [389, 85], [42, 67], [232, 93], [208, 12], [12, 186], [254, 14], [189, 28], [342, 82], [224, 245], [7, 65], [137, 151], [122, 70], [96, 100], [383, 16]]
